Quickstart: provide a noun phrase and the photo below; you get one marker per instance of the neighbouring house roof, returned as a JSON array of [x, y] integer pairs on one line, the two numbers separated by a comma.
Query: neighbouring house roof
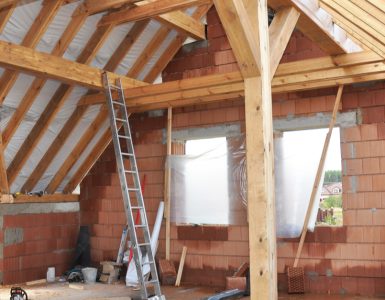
[[330, 189]]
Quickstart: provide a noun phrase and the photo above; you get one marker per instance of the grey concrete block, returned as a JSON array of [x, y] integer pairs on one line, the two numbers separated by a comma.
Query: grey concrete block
[[1, 250], [13, 236]]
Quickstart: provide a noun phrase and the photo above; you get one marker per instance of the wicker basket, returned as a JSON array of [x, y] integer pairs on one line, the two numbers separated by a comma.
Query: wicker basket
[[295, 280]]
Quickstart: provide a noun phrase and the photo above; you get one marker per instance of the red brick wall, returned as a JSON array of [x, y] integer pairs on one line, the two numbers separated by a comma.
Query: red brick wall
[[349, 259], [42, 240]]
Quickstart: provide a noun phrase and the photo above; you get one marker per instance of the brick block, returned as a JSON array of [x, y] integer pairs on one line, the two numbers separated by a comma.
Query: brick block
[[364, 217], [351, 134], [378, 183], [371, 165], [369, 132], [353, 166], [236, 283], [373, 115]]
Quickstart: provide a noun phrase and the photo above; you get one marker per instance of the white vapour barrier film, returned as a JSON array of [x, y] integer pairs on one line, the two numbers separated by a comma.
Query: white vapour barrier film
[[210, 188], [154, 59], [56, 28], [137, 49], [110, 45]]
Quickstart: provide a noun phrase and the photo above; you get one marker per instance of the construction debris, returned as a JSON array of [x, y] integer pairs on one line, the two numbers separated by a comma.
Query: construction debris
[[167, 272]]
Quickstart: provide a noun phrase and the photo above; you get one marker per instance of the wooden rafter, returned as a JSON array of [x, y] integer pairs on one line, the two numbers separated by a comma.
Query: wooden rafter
[[33, 36], [4, 187], [77, 151], [310, 26], [280, 32], [163, 12], [54, 105], [91, 7], [5, 14], [240, 32], [48, 66], [76, 116], [61, 46], [87, 164], [364, 22]]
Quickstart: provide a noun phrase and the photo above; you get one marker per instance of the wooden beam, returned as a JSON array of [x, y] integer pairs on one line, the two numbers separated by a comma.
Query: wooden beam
[[76, 116], [77, 151], [48, 66], [71, 30], [5, 14], [240, 32], [149, 10], [355, 19], [88, 163], [7, 3], [22, 198], [4, 187], [167, 185], [54, 105], [280, 32], [33, 36], [317, 179], [311, 27], [177, 20], [91, 7]]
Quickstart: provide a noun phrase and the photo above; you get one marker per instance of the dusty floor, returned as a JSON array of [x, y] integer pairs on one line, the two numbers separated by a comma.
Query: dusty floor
[[61, 291]]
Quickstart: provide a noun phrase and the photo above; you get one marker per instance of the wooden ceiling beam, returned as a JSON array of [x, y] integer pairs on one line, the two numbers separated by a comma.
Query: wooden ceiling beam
[[77, 151], [280, 31], [55, 104], [91, 7], [311, 27], [48, 66], [164, 11], [240, 31], [76, 116], [61, 46], [31, 39]]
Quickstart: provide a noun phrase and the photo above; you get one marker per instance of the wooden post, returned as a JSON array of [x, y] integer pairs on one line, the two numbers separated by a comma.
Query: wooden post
[[167, 185], [318, 175], [181, 265], [4, 187]]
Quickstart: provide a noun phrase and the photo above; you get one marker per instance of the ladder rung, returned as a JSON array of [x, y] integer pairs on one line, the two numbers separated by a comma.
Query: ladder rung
[[140, 226], [136, 207], [132, 189], [127, 154], [151, 281], [124, 137], [115, 87], [144, 244], [148, 263], [118, 103], [130, 171], [121, 120]]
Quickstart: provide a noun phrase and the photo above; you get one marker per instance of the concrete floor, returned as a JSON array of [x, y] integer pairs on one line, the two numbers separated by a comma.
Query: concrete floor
[[62, 291]]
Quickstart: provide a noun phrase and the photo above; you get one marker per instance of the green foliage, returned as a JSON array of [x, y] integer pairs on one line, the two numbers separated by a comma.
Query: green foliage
[[332, 176], [330, 220], [331, 202]]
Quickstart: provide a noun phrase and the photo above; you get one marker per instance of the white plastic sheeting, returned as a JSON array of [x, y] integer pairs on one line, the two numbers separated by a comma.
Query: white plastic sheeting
[[14, 32], [202, 192]]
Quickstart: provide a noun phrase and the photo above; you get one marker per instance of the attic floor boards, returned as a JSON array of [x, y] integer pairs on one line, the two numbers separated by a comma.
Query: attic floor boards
[[120, 292]]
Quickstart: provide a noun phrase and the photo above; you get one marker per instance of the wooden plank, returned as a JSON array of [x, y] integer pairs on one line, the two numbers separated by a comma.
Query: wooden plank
[[72, 28], [167, 185], [47, 198], [66, 131], [33, 36], [4, 187], [94, 155], [149, 10], [5, 14], [260, 166], [360, 25], [311, 27], [91, 7], [317, 180], [280, 31], [181, 265], [48, 66], [239, 30], [165, 11], [77, 151], [53, 107]]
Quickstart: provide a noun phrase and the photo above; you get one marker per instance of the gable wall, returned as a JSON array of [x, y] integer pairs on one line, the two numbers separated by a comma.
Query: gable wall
[[349, 259]]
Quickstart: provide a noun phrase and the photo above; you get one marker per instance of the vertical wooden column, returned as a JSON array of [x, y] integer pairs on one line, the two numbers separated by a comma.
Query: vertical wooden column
[[4, 187], [167, 185]]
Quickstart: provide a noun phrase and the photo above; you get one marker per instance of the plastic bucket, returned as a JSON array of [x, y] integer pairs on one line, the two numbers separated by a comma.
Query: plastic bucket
[[51, 274], [89, 274]]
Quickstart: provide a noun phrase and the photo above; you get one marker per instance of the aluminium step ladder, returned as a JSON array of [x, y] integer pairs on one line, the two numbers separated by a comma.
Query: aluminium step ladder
[[131, 190]]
